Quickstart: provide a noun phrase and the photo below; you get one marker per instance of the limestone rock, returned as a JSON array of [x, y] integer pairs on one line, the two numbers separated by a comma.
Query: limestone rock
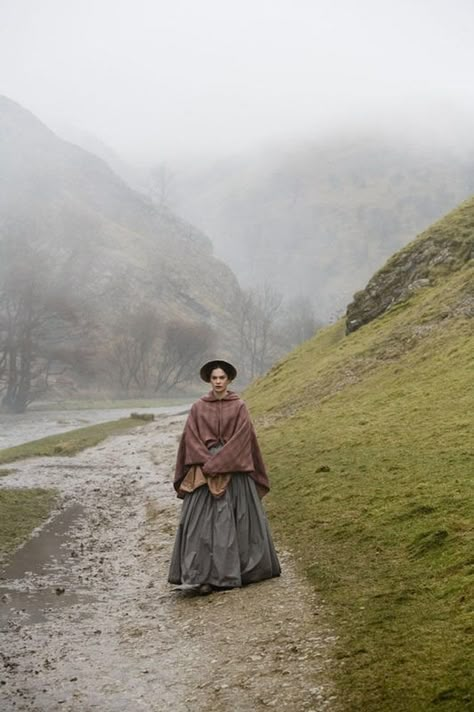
[[443, 248]]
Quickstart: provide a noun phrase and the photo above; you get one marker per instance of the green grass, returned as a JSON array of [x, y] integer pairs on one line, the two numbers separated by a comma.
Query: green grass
[[106, 404], [21, 510], [368, 441], [69, 443]]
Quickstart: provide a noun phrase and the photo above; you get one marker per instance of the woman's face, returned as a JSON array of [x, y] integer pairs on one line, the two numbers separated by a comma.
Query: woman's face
[[219, 382]]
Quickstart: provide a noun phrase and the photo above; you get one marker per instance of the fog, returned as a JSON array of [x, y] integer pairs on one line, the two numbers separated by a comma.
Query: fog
[[162, 80], [301, 142]]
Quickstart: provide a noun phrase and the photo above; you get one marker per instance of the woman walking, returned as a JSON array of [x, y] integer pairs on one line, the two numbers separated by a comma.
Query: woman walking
[[223, 538]]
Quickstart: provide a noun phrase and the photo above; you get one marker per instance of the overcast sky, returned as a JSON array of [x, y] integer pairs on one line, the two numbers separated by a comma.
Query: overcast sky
[[156, 79]]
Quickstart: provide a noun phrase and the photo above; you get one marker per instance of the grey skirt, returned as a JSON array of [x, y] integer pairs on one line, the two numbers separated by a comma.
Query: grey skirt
[[223, 541]]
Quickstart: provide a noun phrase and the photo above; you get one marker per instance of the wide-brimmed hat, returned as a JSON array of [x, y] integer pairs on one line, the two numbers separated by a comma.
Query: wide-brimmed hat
[[208, 368]]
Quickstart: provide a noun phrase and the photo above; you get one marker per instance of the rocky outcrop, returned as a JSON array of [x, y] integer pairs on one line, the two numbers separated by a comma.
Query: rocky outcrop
[[443, 248]]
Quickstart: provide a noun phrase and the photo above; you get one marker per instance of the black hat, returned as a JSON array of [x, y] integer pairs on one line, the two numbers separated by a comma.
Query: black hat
[[208, 368]]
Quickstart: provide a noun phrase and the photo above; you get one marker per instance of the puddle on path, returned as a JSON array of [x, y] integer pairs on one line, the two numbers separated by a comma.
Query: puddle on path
[[36, 580], [24, 607]]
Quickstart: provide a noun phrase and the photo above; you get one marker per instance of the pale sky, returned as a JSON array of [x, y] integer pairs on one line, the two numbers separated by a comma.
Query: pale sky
[[157, 80]]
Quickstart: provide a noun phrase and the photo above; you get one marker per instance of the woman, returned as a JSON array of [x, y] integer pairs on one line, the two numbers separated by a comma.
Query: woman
[[223, 539]]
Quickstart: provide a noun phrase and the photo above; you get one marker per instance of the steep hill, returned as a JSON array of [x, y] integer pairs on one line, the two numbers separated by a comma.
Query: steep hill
[[68, 194], [319, 218], [369, 442], [121, 251], [440, 250]]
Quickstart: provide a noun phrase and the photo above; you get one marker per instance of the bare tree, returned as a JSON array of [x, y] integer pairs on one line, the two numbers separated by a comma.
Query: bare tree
[[36, 320], [184, 348], [133, 347], [161, 185], [298, 322], [258, 311], [150, 356]]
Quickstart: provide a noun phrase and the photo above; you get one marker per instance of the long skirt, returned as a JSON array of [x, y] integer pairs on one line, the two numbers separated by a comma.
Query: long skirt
[[223, 541]]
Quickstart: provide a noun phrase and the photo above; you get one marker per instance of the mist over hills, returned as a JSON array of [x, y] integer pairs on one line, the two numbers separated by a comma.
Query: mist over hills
[[97, 239], [317, 218], [70, 195]]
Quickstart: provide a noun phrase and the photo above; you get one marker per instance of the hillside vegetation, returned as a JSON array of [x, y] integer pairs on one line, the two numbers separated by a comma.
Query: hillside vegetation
[[368, 438]]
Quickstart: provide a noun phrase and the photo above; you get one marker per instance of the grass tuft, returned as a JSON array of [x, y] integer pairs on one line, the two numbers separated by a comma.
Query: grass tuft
[[21, 511], [71, 442], [427, 542]]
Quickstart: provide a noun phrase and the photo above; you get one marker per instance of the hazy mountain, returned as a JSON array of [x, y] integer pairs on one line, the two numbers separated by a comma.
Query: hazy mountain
[[132, 175], [318, 218], [69, 195], [116, 250]]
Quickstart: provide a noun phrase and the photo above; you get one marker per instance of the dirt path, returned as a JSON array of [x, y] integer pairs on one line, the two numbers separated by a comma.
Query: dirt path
[[98, 627]]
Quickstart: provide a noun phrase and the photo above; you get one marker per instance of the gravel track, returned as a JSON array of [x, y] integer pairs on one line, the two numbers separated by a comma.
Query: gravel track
[[101, 630]]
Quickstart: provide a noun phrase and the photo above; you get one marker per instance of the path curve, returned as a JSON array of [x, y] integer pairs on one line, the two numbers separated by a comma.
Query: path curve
[[126, 641]]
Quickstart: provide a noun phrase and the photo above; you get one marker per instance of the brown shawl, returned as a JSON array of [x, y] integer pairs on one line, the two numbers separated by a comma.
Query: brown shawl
[[213, 421]]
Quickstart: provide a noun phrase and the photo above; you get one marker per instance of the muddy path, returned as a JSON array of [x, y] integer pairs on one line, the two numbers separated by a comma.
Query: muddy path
[[88, 622]]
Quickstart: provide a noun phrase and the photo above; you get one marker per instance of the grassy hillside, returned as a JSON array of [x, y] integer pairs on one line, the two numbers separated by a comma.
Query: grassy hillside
[[369, 442]]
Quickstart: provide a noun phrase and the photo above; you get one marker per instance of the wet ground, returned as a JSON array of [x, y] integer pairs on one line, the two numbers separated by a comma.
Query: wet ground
[[88, 622], [35, 424]]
